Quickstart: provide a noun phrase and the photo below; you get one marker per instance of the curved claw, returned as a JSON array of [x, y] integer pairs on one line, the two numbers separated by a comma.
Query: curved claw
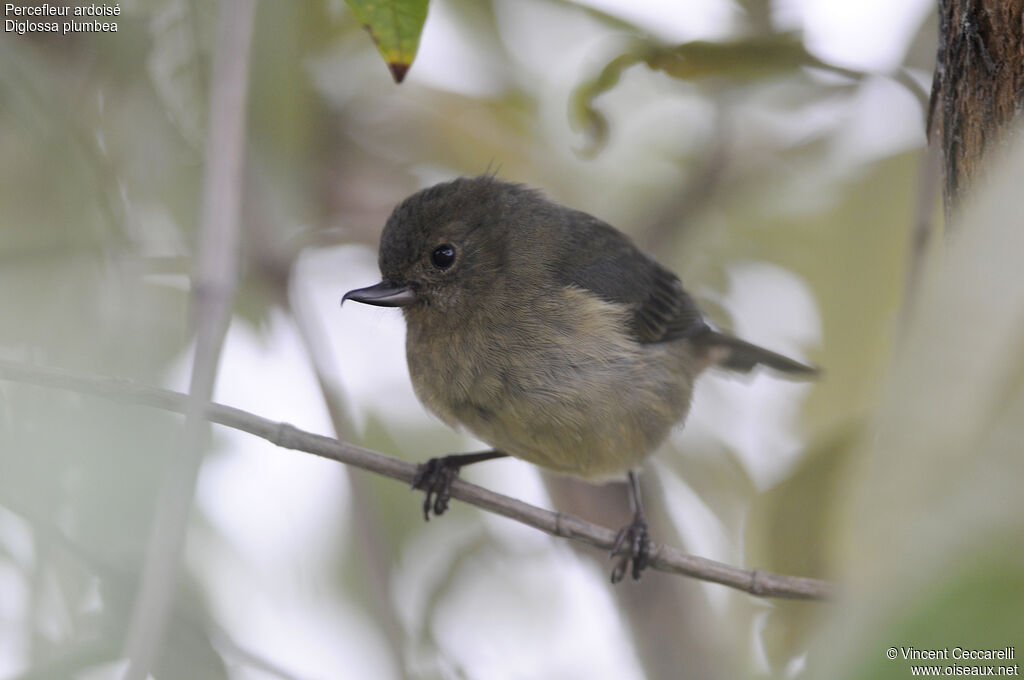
[[637, 552], [435, 477]]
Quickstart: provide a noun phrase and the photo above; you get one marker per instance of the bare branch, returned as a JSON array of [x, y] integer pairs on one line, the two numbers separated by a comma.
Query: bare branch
[[663, 558], [213, 292]]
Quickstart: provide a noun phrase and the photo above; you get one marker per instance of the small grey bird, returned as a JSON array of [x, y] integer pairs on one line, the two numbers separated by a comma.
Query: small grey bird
[[546, 333]]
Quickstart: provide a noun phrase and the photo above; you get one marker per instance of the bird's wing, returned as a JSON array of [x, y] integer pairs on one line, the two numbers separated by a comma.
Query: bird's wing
[[603, 261]]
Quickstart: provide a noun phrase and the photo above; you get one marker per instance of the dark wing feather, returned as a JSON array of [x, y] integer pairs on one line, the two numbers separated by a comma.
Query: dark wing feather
[[605, 262], [602, 260]]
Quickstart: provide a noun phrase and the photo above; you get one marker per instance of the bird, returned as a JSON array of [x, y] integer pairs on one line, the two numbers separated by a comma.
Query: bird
[[547, 334]]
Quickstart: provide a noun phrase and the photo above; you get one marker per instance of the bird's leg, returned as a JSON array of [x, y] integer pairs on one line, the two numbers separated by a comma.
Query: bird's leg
[[633, 543], [436, 476]]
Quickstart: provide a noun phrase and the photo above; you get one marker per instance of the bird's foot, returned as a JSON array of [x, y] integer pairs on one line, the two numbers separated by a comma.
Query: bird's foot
[[632, 546], [435, 477]]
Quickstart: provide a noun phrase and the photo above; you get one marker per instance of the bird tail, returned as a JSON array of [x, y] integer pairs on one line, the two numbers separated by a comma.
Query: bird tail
[[739, 355]]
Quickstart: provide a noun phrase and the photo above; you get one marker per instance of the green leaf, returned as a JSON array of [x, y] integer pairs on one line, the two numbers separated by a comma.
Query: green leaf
[[746, 60], [736, 62], [395, 26]]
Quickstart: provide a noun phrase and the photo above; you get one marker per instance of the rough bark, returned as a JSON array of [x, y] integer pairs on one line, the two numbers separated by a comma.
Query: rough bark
[[978, 86]]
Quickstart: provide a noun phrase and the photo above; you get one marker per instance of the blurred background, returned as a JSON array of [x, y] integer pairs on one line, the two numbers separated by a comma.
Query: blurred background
[[782, 191]]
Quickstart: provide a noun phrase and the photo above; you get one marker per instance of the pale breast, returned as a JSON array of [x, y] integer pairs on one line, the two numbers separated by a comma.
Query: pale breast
[[560, 384]]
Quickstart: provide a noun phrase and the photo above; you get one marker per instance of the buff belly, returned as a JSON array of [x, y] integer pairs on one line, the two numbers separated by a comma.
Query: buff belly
[[593, 412]]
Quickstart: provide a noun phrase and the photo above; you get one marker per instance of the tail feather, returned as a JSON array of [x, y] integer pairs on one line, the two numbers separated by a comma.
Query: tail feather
[[740, 355]]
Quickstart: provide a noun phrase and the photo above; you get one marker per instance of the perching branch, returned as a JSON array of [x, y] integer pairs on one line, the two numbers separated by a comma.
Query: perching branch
[[663, 558]]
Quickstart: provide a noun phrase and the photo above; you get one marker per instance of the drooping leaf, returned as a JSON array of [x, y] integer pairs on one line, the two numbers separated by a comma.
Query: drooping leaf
[[395, 26], [737, 62]]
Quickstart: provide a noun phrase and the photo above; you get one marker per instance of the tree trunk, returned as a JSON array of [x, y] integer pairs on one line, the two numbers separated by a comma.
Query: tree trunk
[[978, 86]]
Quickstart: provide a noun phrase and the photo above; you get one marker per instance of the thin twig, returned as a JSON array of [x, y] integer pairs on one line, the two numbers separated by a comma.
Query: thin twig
[[663, 558], [213, 291]]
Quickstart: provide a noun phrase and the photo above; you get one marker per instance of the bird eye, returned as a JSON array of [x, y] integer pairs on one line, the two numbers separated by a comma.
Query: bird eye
[[443, 256]]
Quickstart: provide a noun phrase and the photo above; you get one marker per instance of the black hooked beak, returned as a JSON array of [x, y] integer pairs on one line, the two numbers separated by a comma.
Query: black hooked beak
[[383, 294]]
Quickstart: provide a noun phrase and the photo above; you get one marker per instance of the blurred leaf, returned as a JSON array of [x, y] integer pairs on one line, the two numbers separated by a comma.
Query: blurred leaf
[[74, 660], [99, 174], [932, 543], [718, 478], [790, 524], [788, 532], [977, 608], [855, 232], [746, 60], [740, 62], [187, 650], [177, 65], [395, 26]]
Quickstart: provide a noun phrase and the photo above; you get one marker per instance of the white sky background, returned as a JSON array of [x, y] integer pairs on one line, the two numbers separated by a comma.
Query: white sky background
[[273, 505]]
